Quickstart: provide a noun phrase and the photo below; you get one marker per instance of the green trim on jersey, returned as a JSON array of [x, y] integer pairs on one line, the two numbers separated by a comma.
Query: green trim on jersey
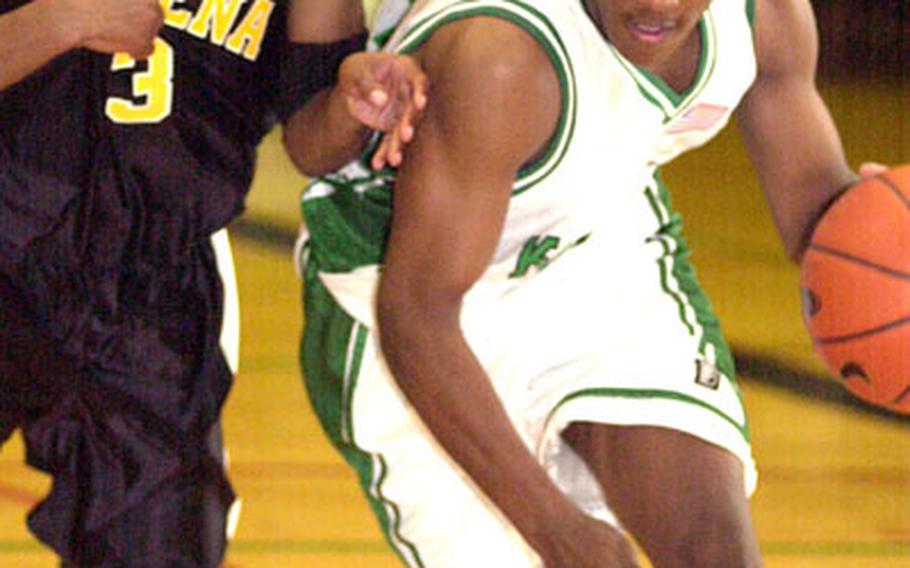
[[750, 13], [642, 394], [656, 90], [331, 353], [380, 37], [541, 29], [679, 281], [349, 212], [383, 38]]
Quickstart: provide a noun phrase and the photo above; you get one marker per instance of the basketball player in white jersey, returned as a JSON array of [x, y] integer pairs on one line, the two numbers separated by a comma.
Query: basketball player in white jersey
[[504, 337]]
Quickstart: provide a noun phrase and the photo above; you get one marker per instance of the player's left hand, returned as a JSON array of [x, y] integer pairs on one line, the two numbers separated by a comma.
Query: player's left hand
[[385, 92]]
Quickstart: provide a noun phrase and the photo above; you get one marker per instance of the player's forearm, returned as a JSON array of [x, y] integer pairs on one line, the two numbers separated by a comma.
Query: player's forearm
[[787, 127], [451, 392], [31, 36], [797, 155], [322, 136]]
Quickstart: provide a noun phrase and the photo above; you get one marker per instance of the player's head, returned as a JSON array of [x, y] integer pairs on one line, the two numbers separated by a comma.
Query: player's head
[[647, 32]]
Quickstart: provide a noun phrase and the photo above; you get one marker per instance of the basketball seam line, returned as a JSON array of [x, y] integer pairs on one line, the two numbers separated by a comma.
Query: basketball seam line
[[894, 188], [900, 398], [861, 334], [861, 261]]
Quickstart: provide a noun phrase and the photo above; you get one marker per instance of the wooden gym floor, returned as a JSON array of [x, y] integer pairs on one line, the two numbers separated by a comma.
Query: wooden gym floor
[[834, 488]]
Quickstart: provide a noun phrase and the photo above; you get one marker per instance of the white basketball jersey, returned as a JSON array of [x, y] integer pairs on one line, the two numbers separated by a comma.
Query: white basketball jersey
[[589, 312], [597, 179]]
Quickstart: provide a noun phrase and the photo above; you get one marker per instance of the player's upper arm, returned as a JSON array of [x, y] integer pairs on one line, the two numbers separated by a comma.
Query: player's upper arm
[[494, 104], [786, 52], [786, 41], [786, 126], [29, 38], [324, 21]]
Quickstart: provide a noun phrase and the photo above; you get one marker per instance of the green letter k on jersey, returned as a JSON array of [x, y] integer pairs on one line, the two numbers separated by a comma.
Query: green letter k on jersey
[[534, 253]]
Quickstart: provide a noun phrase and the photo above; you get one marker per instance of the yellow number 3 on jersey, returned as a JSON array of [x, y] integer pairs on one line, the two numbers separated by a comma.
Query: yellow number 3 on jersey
[[153, 89]]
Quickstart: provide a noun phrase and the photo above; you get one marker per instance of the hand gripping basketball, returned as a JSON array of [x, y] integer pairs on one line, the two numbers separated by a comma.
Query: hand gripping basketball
[[856, 289]]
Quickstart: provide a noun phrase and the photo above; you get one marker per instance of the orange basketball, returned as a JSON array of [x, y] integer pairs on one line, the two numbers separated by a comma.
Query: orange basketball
[[856, 289]]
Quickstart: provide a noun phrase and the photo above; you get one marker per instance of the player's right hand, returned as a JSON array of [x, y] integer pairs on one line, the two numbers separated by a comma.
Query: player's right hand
[[112, 26], [385, 92], [581, 541]]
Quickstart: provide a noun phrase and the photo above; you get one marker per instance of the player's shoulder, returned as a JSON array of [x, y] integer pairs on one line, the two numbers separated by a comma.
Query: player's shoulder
[[785, 36], [425, 17], [491, 75], [496, 39], [489, 37], [769, 13]]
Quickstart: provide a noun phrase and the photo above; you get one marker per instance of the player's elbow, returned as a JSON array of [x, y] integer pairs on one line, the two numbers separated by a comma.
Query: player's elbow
[[795, 246], [305, 157], [409, 317], [315, 154]]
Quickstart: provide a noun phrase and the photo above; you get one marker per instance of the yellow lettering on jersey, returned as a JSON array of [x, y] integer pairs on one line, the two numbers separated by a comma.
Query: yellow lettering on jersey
[[153, 88], [122, 61], [175, 17], [248, 36], [216, 17]]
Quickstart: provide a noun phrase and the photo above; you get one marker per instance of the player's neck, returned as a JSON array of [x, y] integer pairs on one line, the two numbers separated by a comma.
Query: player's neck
[[679, 70], [665, 44]]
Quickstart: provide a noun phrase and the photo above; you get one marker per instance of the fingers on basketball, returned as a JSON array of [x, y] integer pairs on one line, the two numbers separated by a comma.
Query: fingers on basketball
[[856, 289]]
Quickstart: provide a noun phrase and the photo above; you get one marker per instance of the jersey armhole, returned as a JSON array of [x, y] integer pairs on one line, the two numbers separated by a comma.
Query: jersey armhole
[[535, 23]]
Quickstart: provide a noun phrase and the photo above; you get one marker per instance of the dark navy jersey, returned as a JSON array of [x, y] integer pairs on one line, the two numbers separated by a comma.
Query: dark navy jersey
[[179, 129], [118, 168], [114, 173], [215, 70]]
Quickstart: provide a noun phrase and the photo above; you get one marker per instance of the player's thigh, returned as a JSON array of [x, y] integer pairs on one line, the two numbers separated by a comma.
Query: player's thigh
[[680, 496]]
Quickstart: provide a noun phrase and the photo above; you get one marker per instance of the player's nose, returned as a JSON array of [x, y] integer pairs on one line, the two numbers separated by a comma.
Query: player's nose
[[654, 8]]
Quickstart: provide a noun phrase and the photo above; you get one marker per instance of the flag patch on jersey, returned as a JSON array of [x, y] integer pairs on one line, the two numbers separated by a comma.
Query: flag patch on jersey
[[702, 116]]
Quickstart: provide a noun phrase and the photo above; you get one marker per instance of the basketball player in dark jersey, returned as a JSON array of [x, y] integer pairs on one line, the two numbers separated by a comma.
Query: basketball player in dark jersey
[[115, 173]]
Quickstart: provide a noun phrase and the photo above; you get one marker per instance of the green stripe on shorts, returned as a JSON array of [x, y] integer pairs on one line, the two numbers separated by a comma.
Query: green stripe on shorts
[[331, 353]]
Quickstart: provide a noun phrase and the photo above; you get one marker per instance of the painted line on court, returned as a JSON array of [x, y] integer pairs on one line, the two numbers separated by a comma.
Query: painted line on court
[[16, 495], [8, 546], [291, 469], [310, 546], [275, 470], [853, 549], [244, 547], [871, 475], [896, 549]]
